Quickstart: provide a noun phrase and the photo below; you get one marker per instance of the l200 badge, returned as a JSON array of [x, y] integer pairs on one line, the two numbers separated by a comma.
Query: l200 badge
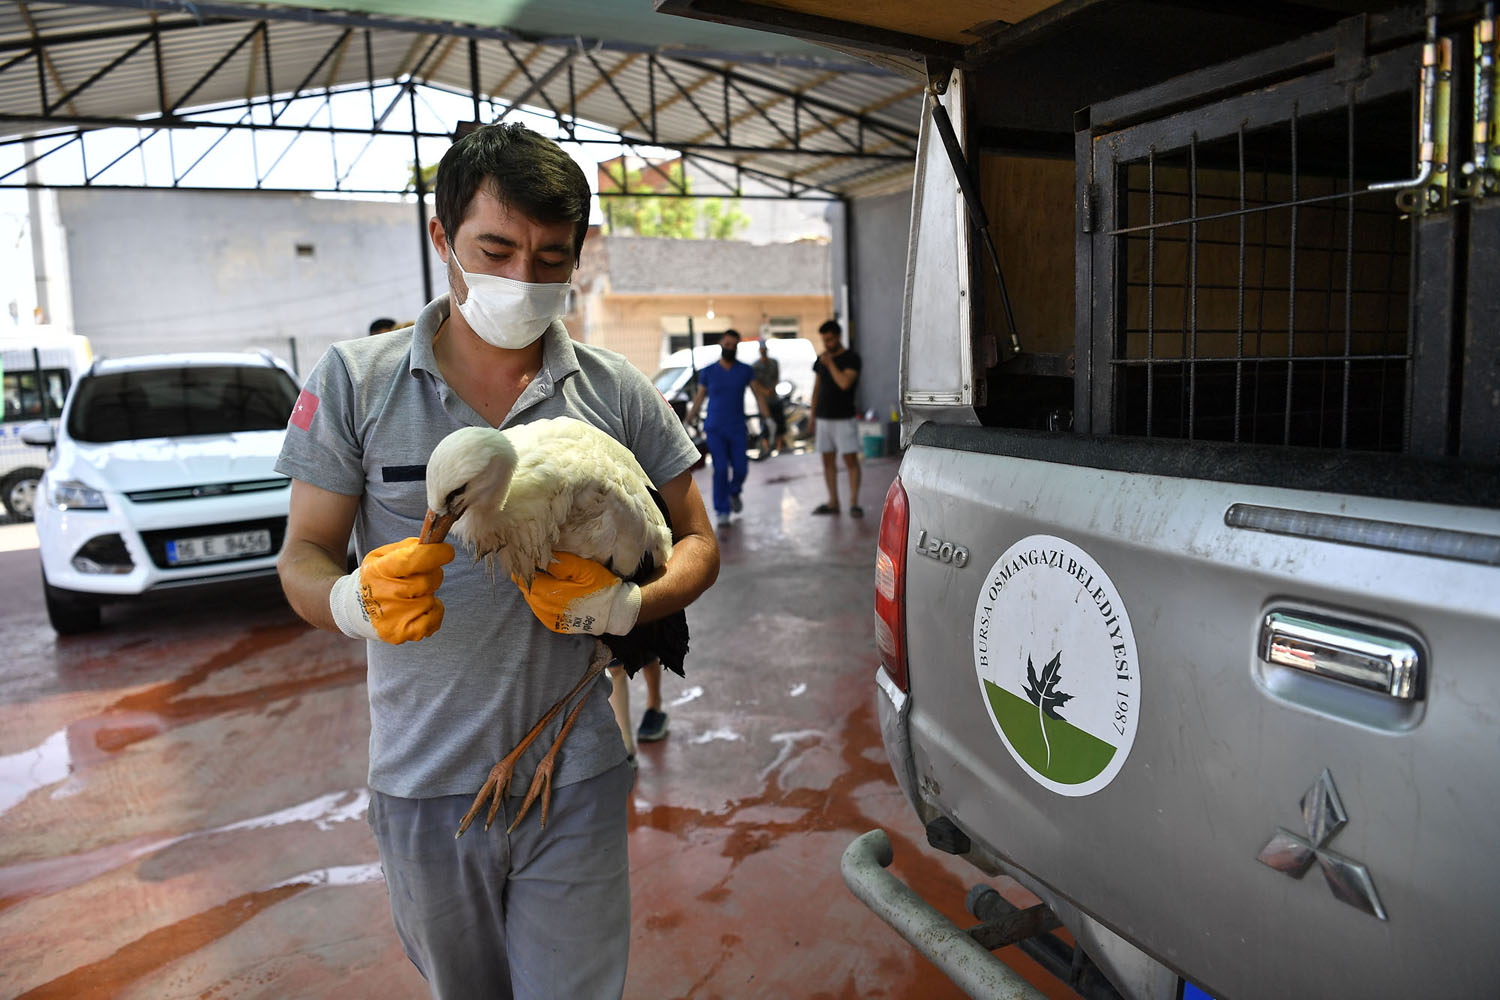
[[942, 551]]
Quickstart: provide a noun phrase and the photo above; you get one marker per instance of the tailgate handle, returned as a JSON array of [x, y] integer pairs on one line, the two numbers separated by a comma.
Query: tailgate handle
[[1343, 651]]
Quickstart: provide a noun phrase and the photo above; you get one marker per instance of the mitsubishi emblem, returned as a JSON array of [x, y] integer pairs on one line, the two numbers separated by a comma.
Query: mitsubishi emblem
[[1323, 815]]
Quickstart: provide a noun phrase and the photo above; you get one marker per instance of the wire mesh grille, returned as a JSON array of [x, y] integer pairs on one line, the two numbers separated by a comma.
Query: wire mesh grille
[[1263, 291]]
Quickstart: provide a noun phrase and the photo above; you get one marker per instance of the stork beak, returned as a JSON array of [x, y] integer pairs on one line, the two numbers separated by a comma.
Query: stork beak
[[435, 527]]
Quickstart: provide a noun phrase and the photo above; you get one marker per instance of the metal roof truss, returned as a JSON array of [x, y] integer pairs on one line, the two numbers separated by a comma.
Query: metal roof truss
[[70, 82]]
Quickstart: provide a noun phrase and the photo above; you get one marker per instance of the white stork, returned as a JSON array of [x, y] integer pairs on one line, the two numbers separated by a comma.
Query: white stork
[[559, 484]]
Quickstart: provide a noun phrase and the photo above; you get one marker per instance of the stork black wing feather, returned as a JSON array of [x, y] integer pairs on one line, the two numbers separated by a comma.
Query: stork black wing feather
[[666, 638]]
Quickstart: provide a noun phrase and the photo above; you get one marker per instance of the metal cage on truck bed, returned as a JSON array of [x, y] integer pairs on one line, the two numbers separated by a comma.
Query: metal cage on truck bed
[[1270, 267]]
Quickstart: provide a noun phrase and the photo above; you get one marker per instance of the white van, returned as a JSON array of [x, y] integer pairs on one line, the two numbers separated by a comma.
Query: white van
[[37, 366]]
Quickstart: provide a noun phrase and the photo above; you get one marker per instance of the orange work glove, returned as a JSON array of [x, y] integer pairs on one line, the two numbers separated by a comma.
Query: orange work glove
[[576, 595], [391, 597]]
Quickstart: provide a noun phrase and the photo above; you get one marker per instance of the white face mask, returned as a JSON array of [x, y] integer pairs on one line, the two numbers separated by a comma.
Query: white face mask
[[509, 313]]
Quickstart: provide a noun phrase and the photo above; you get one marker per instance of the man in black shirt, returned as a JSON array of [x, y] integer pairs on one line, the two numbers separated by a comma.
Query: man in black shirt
[[834, 430]]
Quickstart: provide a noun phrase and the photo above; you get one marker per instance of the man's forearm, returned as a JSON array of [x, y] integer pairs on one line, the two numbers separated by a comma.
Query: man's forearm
[[307, 575], [760, 400], [691, 570]]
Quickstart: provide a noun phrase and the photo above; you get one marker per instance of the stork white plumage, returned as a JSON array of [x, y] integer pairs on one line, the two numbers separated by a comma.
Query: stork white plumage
[[560, 484]]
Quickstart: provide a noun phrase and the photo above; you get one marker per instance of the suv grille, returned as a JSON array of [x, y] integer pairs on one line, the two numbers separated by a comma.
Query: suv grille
[[208, 490], [156, 541]]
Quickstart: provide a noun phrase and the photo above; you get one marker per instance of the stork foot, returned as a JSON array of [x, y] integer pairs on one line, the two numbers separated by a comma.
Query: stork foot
[[541, 781], [541, 787], [495, 787], [498, 783]]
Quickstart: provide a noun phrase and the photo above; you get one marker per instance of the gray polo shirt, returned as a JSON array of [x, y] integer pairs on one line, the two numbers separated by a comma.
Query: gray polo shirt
[[445, 709]]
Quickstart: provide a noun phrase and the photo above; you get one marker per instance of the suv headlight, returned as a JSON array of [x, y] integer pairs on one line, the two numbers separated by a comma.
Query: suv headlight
[[76, 496]]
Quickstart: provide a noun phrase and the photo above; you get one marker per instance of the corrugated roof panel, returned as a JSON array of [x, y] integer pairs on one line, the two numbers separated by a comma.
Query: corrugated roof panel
[[71, 69], [190, 55], [295, 50], [61, 17], [762, 114], [19, 93], [605, 101]]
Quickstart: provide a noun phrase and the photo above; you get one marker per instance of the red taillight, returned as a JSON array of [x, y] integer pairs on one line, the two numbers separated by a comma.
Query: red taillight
[[890, 584]]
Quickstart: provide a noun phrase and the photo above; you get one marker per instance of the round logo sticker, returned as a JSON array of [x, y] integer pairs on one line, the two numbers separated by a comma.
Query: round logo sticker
[[1055, 657]]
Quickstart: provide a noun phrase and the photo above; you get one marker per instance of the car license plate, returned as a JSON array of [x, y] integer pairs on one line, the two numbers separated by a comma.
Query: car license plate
[[211, 548]]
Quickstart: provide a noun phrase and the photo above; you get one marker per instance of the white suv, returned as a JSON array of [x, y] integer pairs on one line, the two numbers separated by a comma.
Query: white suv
[[162, 476]]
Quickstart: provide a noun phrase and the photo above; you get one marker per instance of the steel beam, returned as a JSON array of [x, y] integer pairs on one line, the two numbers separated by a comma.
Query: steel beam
[[758, 96], [208, 11]]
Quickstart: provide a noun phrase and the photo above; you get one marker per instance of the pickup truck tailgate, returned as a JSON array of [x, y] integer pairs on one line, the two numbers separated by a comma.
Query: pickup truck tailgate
[[1091, 702]]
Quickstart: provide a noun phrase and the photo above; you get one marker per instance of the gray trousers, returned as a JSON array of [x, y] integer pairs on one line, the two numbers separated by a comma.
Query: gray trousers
[[536, 914]]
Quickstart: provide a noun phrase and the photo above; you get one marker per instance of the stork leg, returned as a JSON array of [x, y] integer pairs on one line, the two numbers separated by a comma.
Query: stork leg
[[541, 781], [498, 782]]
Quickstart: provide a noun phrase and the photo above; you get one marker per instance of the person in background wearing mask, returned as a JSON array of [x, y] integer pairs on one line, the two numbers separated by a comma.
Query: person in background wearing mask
[[723, 384], [454, 683]]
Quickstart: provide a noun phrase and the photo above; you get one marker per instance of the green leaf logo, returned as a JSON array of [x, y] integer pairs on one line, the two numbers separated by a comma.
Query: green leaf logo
[[1044, 597], [1044, 695]]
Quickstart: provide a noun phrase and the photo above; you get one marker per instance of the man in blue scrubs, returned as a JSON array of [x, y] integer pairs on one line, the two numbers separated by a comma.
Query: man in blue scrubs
[[723, 384]]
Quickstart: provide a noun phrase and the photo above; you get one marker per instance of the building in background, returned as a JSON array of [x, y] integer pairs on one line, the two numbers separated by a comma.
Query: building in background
[[154, 270], [647, 297]]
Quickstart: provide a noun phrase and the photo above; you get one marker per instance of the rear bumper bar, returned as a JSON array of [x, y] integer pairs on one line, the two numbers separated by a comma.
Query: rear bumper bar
[[973, 969]]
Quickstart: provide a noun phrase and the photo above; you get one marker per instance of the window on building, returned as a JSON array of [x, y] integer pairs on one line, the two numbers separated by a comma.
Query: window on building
[[776, 327], [679, 332]]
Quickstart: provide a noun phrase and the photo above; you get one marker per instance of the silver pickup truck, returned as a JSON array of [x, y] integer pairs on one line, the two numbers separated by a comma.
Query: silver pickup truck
[[1188, 591]]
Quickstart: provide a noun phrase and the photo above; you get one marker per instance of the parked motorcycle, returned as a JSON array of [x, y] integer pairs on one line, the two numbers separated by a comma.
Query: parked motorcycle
[[796, 434]]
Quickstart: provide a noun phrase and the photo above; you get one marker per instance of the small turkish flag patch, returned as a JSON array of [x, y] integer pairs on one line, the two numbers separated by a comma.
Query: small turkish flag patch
[[302, 413]]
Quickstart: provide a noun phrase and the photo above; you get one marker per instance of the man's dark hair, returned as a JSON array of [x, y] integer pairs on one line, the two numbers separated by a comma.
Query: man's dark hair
[[731, 333], [525, 171], [382, 325], [832, 326]]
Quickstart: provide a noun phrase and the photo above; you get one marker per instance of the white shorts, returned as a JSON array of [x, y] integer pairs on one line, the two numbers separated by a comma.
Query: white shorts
[[836, 435]]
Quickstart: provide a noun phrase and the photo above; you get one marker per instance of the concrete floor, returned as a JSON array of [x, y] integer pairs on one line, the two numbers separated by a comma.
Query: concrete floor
[[182, 794]]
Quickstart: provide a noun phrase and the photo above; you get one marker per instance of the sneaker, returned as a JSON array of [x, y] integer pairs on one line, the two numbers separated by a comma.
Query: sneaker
[[736, 504], [856, 511], [825, 508], [653, 727], [723, 520]]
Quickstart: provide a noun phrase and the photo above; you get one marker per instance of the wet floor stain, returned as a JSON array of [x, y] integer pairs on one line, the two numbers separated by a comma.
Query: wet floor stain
[[167, 705], [45, 876], [747, 827], [154, 950], [728, 868], [162, 706], [769, 824]]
